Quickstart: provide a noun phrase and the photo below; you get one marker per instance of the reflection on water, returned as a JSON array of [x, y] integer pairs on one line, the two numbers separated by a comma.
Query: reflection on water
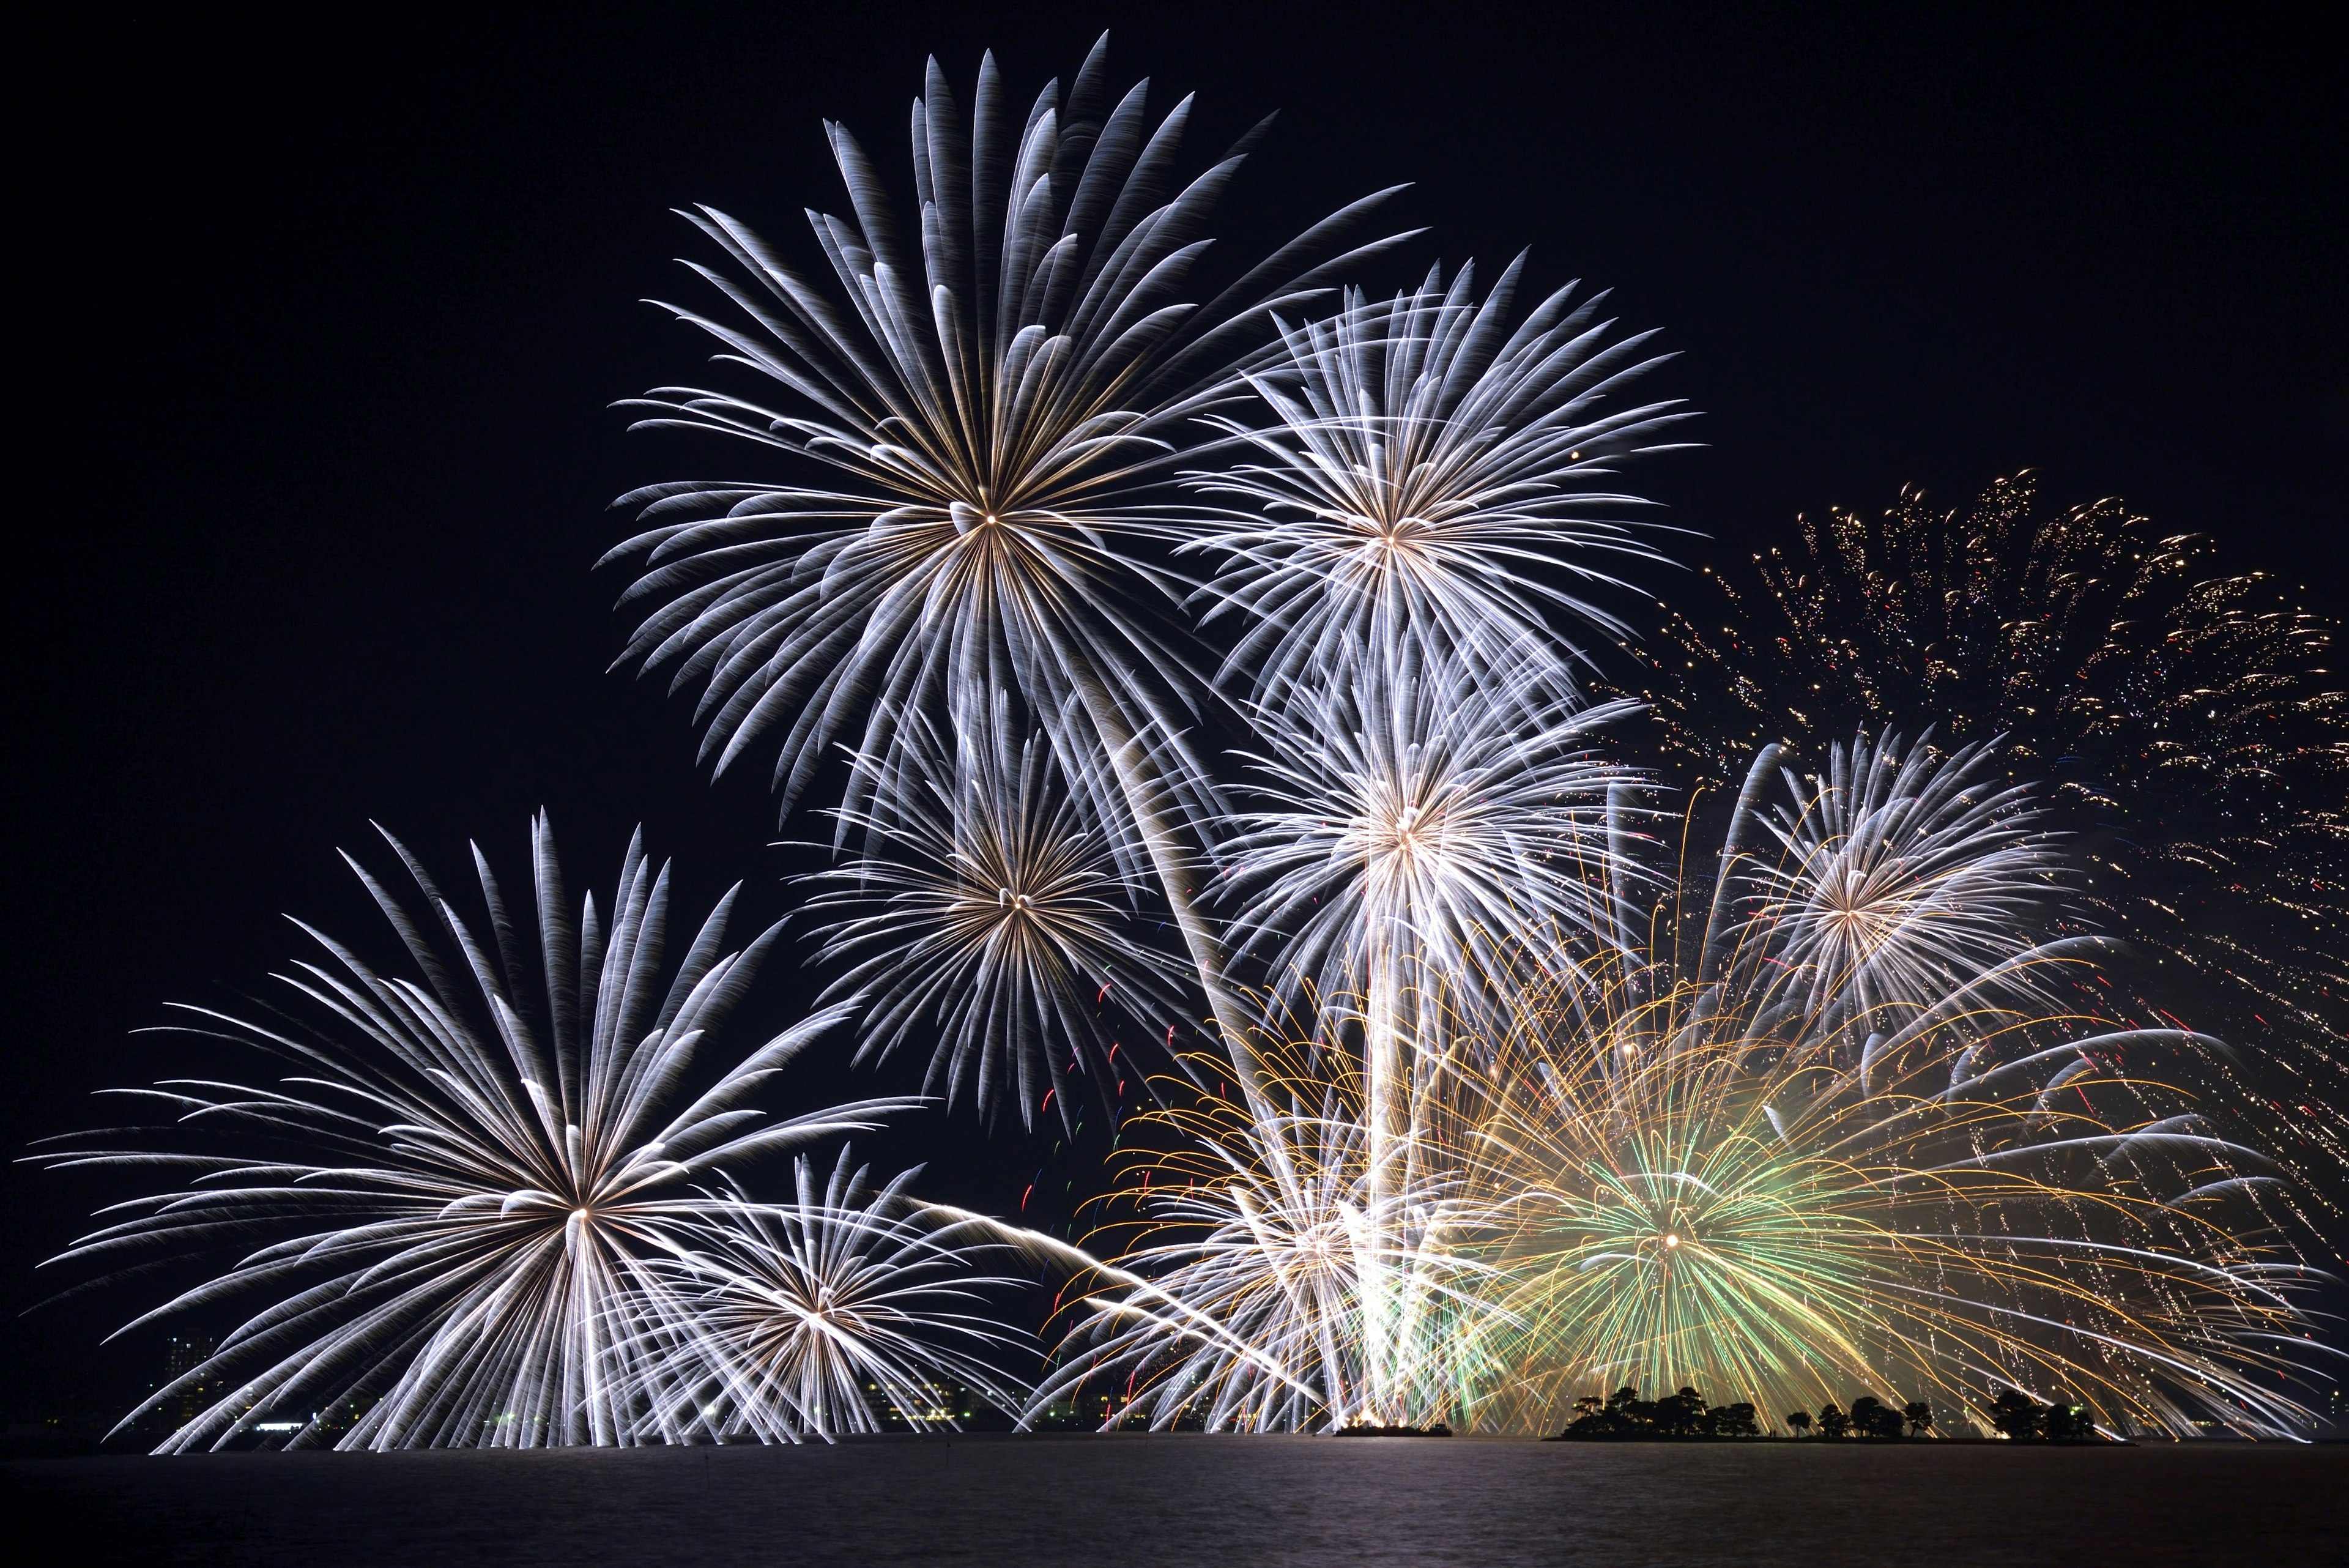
[[1229, 1501]]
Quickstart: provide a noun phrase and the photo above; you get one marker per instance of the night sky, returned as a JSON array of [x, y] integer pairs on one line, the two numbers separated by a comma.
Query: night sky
[[318, 331]]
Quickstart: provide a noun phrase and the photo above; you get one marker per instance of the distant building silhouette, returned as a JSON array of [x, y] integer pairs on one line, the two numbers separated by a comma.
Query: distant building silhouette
[[166, 1411]]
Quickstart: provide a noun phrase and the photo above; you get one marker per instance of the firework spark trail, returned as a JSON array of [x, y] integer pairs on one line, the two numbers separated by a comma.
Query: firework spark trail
[[988, 907], [820, 1317], [469, 1171], [2192, 726], [995, 405]]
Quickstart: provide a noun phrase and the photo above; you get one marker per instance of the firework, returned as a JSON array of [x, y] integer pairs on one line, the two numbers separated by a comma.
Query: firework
[[468, 1172], [1425, 471], [1763, 1149], [1270, 1282], [832, 1314], [1421, 806], [1409, 815], [1701, 1173], [988, 910], [1859, 1104], [990, 405], [1896, 878], [2189, 725]]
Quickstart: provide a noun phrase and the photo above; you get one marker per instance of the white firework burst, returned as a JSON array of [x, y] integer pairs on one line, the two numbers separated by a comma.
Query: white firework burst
[[1899, 874], [468, 1172], [843, 1312], [1429, 473], [992, 387], [990, 401], [987, 912], [1423, 807]]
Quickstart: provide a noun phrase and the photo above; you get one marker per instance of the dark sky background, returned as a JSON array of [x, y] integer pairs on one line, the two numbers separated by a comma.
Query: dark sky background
[[317, 328]]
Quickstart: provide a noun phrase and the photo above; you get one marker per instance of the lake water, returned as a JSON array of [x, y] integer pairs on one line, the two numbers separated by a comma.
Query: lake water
[[1235, 1503]]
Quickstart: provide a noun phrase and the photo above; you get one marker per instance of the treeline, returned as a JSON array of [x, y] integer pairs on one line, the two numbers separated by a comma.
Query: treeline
[[1867, 1417], [1624, 1416], [2025, 1420]]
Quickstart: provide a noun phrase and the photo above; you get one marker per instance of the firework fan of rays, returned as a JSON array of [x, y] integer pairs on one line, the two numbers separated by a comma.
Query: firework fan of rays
[[469, 1171], [1253, 1252], [1419, 807], [823, 1316], [1899, 873], [995, 383], [1692, 1181], [2194, 725], [989, 911], [1426, 470]]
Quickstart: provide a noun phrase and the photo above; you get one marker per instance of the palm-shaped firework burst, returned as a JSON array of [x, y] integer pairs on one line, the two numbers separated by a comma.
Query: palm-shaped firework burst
[[470, 1170], [1414, 819]]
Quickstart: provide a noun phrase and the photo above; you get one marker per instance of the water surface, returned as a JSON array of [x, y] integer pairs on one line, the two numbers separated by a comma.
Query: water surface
[[1230, 1501]]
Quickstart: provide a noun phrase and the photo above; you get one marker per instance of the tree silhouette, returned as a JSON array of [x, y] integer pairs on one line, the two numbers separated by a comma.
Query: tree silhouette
[[2019, 1416], [1833, 1421], [1871, 1418], [1734, 1421], [1680, 1415], [1798, 1422], [1624, 1416], [1920, 1416], [2066, 1422]]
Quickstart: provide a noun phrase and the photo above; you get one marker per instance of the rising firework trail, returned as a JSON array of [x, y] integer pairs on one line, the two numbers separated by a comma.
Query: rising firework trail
[[1408, 822], [1268, 1277]]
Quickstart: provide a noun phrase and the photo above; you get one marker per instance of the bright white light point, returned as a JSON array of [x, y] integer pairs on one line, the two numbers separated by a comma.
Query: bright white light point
[[1672, 1240]]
